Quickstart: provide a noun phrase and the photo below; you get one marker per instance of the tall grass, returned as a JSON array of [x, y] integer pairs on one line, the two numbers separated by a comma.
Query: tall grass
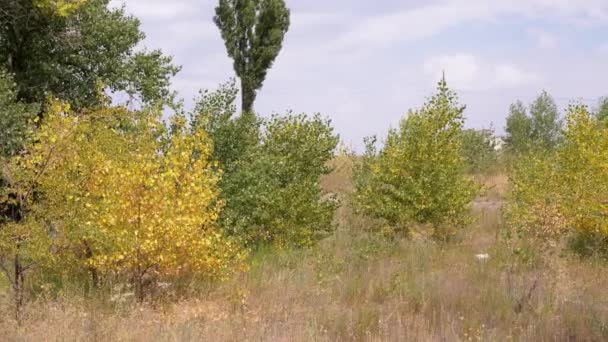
[[356, 285]]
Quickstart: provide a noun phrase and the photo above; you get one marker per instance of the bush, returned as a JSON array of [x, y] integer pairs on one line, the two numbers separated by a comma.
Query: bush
[[561, 195], [117, 200], [419, 175], [272, 169], [276, 193]]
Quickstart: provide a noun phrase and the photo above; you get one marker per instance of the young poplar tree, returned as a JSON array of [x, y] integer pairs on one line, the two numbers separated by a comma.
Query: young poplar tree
[[518, 129], [419, 177]]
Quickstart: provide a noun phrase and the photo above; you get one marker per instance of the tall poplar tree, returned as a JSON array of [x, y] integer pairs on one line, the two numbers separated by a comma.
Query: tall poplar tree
[[253, 32]]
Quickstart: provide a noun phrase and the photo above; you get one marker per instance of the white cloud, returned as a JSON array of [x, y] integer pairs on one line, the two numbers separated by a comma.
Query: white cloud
[[429, 20], [410, 25], [461, 70], [156, 9], [507, 75], [467, 72], [544, 39], [365, 62]]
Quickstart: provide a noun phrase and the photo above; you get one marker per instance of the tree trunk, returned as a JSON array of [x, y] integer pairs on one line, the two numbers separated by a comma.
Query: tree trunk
[[247, 97], [139, 288], [92, 270], [18, 287]]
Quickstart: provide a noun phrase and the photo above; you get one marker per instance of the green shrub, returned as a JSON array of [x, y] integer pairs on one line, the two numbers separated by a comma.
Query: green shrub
[[275, 195], [272, 170]]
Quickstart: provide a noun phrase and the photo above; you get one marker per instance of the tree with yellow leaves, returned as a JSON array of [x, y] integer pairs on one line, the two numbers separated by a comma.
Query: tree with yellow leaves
[[563, 194], [61, 8], [126, 197]]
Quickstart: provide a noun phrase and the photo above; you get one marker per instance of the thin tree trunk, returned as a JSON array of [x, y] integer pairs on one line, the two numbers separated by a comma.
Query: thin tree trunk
[[92, 270], [247, 97], [18, 287], [139, 288]]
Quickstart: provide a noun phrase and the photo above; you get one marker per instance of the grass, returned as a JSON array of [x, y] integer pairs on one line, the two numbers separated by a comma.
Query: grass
[[356, 286]]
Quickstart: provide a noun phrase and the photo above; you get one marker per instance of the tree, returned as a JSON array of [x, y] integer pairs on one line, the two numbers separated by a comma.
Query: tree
[[253, 32], [59, 7], [582, 163], [19, 247], [419, 177], [540, 130], [271, 169], [602, 111], [234, 136], [125, 197], [519, 129], [479, 149], [561, 194], [66, 49], [546, 126], [275, 195], [15, 118]]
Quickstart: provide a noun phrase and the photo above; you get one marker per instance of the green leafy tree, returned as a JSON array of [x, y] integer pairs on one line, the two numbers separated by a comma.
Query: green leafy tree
[[15, 131], [602, 111], [479, 148], [272, 170], [15, 118], [234, 136], [546, 125], [419, 177], [518, 129], [66, 49], [253, 32], [275, 195]]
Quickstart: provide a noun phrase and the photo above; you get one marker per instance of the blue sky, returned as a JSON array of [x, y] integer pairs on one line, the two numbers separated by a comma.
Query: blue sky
[[365, 63]]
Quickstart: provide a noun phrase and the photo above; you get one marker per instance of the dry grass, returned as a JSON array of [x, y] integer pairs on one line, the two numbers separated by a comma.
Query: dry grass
[[358, 286]]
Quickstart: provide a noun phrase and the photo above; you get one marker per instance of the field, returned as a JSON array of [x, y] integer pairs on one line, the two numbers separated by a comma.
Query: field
[[355, 286]]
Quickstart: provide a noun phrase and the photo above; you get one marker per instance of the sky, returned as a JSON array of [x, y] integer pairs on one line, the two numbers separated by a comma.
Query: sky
[[365, 63]]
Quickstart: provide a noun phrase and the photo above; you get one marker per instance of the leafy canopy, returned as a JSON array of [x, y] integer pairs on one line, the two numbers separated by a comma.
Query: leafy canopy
[[126, 197], [66, 48], [540, 130], [563, 194], [518, 129], [272, 170], [15, 118], [419, 175]]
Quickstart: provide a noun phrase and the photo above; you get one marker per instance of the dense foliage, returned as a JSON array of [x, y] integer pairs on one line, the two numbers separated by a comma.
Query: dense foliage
[[66, 48], [602, 110], [561, 195], [15, 118], [275, 194], [479, 149], [272, 171], [419, 175], [116, 200], [540, 129]]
